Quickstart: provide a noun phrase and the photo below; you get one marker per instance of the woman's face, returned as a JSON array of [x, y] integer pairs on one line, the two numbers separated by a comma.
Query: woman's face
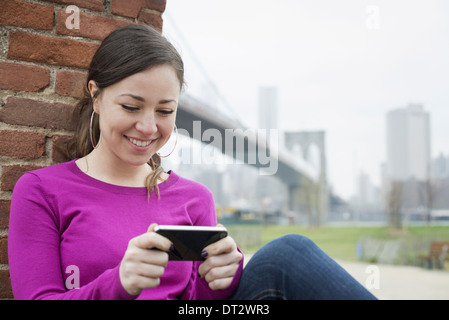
[[137, 114]]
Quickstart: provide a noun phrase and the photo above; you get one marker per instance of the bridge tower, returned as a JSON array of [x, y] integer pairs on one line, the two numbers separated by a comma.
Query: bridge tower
[[312, 198]]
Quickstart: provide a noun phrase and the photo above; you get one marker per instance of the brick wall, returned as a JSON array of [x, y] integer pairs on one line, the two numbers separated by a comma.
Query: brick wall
[[44, 54]]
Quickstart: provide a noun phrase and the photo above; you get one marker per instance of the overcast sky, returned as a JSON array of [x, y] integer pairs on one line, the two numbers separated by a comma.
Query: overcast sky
[[339, 66]]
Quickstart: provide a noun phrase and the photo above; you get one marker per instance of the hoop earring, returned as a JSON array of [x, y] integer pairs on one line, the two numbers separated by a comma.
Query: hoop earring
[[176, 142], [90, 131]]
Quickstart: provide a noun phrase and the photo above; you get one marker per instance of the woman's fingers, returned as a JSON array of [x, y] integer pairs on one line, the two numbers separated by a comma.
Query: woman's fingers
[[220, 284], [142, 265], [224, 245], [221, 264], [151, 240], [221, 272], [212, 262], [157, 257]]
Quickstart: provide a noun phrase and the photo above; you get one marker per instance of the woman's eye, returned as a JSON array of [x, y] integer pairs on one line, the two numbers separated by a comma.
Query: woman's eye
[[129, 108], [166, 112]]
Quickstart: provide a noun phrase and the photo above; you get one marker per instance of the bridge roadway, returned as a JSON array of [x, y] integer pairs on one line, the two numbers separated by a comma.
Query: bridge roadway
[[206, 124]]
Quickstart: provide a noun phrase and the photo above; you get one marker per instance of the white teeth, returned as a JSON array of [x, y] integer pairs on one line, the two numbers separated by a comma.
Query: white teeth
[[139, 143]]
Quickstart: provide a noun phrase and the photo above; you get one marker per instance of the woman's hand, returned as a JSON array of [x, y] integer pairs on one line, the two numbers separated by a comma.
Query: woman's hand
[[142, 267], [221, 264]]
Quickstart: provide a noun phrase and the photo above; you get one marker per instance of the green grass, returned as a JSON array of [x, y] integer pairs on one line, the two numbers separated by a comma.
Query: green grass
[[337, 242], [340, 242]]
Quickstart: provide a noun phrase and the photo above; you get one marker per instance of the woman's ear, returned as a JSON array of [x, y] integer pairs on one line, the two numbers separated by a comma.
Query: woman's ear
[[93, 90]]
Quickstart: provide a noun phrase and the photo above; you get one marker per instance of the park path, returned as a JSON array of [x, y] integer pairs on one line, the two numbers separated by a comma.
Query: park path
[[401, 282]]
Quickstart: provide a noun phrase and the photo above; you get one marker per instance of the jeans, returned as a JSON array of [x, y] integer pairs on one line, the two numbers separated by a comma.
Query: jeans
[[293, 267]]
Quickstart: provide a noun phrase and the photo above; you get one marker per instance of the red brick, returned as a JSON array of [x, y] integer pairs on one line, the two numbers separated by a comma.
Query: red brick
[[132, 8], [158, 5], [23, 145], [3, 250], [26, 15], [5, 285], [60, 144], [150, 19], [12, 173], [127, 8], [92, 27], [15, 76], [96, 5], [29, 112], [70, 83], [4, 213], [48, 50]]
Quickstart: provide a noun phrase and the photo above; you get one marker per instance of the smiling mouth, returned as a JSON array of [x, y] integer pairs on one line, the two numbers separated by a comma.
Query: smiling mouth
[[139, 143]]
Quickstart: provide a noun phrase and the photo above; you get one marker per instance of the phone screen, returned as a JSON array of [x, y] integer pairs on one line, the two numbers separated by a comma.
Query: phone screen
[[189, 241]]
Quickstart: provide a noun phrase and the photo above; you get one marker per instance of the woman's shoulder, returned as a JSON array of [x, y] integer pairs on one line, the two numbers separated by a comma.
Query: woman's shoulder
[[53, 171], [47, 175]]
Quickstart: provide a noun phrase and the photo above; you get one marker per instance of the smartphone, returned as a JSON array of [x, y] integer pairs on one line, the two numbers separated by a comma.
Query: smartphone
[[189, 241]]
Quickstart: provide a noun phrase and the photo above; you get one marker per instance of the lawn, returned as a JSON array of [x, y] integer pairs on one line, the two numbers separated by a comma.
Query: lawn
[[339, 242]]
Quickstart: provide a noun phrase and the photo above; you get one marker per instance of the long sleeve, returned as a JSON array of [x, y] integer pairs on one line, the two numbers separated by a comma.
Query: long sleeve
[[34, 253]]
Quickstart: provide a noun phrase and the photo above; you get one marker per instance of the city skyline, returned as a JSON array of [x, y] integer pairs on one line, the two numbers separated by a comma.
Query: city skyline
[[338, 66]]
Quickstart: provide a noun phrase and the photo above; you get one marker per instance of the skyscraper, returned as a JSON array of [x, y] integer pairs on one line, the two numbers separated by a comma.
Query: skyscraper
[[268, 188], [440, 167], [408, 144], [268, 108]]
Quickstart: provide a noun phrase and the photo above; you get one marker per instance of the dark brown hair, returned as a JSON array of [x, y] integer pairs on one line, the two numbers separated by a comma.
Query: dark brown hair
[[124, 52]]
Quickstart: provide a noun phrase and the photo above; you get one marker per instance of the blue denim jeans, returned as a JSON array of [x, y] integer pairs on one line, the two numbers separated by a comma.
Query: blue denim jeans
[[293, 267]]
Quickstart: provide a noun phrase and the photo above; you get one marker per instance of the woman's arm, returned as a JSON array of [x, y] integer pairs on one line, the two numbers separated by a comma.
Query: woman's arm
[[33, 250]]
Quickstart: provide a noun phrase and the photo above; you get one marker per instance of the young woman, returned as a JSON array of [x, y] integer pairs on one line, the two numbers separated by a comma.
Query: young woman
[[84, 229]]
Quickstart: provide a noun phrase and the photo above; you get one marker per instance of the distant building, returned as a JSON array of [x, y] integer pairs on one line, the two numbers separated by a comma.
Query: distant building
[[440, 167], [368, 193], [268, 188], [408, 144], [310, 145], [407, 176], [268, 103]]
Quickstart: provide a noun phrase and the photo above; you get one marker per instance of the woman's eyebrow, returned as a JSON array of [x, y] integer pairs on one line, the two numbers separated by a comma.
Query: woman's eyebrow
[[139, 98], [164, 101], [142, 99]]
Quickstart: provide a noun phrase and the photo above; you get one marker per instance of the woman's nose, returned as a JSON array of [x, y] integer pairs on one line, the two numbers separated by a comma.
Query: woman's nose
[[147, 124]]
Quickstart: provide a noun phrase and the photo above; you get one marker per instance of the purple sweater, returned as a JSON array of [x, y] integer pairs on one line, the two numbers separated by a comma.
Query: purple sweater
[[68, 228]]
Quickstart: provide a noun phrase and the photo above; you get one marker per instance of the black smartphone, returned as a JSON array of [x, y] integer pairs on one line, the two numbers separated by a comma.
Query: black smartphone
[[189, 241]]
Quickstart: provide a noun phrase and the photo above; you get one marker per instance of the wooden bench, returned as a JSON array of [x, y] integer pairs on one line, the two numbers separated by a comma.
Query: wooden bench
[[438, 254]]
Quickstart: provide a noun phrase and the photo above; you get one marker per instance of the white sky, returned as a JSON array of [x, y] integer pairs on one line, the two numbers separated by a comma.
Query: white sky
[[339, 66]]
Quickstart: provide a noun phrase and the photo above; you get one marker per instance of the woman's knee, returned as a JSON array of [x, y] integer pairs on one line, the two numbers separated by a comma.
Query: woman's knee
[[292, 241], [280, 259], [286, 247]]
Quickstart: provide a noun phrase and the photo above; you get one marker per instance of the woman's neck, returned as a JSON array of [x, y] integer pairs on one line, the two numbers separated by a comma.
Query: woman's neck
[[113, 170]]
